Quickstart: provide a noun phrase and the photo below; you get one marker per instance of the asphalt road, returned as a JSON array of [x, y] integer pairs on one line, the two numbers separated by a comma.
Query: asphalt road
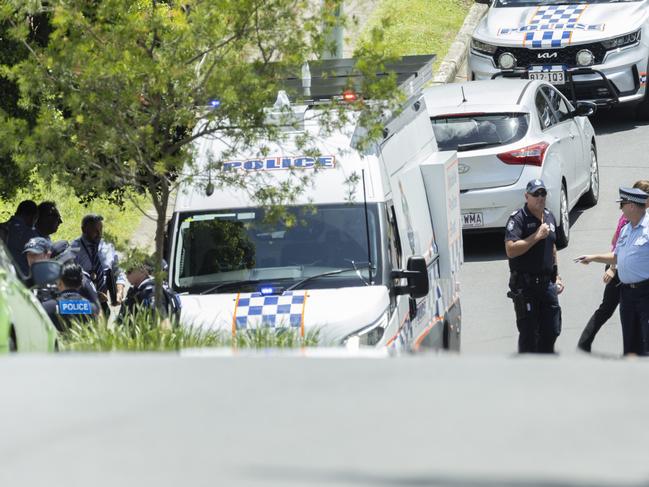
[[163, 420], [488, 315]]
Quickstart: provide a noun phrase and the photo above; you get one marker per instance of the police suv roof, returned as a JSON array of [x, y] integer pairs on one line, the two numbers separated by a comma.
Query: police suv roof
[[497, 95]]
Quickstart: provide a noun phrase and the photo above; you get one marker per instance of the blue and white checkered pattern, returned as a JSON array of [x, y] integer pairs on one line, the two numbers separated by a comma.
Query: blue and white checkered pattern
[[555, 24], [257, 310]]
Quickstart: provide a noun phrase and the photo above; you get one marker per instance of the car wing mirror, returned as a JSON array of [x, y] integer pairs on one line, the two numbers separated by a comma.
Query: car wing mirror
[[45, 272], [417, 274], [584, 109]]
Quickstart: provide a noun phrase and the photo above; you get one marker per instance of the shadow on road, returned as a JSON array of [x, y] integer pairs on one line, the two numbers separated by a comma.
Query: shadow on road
[[614, 120], [295, 475], [481, 247]]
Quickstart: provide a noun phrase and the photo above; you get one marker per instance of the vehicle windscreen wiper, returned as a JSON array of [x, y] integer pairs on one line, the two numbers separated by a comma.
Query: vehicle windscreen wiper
[[226, 284], [475, 146], [330, 273]]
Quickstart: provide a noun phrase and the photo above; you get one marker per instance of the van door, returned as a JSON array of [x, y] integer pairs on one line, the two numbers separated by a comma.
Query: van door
[[416, 238], [398, 304]]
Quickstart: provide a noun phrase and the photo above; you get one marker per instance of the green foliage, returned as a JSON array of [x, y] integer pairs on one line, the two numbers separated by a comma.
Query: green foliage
[[145, 332], [419, 26], [121, 88], [119, 224]]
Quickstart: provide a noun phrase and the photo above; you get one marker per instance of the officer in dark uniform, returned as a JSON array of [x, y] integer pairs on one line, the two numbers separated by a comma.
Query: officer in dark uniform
[[534, 282], [631, 255], [63, 252], [141, 294], [69, 305]]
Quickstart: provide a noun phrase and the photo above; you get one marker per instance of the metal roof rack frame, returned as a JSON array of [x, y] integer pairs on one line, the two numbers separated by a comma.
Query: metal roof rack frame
[[326, 80]]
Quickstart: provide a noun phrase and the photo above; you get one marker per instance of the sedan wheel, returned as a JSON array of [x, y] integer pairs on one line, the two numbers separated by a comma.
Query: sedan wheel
[[592, 195], [563, 231]]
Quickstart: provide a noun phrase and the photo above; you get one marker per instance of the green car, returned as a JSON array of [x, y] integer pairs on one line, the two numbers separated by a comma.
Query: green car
[[24, 326]]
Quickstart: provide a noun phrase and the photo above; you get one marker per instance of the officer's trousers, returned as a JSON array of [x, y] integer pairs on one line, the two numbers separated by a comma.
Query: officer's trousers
[[538, 318], [634, 314], [610, 301]]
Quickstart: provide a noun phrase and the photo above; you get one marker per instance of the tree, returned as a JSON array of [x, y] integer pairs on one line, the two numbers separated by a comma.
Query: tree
[[15, 120], [122, 87]]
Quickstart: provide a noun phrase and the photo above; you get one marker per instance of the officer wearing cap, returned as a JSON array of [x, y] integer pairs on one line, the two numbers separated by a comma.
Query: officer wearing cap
[[534, 282], [631, 256], [36, 249], [69, 305]]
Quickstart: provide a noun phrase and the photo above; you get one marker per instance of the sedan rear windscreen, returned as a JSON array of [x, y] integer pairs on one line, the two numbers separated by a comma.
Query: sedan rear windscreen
[[477, 131]]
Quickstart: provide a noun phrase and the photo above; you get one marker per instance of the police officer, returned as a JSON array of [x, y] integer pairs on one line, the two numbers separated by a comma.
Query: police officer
[[631, 256], [47, 221], [18, 230], [69, 305], [141, 294], [63, 252], [96, 256], [534, 282]]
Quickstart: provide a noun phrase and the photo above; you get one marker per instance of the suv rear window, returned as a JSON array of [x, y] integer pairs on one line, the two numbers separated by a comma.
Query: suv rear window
[[478, 131]]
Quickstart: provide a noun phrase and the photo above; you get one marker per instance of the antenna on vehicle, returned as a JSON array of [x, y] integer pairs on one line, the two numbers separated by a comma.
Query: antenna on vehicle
[[367, 231], [464, 100]]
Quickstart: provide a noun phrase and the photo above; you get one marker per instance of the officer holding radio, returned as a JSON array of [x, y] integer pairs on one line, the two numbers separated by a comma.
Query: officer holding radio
[[534, 282]]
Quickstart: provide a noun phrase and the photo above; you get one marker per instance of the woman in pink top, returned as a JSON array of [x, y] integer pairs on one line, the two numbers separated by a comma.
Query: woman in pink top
[[611, 296]]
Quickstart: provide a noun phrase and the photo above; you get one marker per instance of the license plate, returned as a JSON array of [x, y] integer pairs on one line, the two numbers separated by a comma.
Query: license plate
[[553, 77], [472, 220]]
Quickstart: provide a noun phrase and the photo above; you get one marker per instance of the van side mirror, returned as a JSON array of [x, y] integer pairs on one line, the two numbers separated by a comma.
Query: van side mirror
[[417, 275], [584, 109], [45, 272], [486, 2]]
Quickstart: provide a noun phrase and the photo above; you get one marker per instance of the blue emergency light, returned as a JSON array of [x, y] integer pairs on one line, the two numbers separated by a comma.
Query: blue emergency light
[[215, 103]]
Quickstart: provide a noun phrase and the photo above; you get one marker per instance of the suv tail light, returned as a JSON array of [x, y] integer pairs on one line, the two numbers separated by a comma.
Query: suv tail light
[[531, 155]]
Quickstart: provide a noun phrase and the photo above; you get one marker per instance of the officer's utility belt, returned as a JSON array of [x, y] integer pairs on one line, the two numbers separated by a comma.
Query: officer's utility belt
[[524, 279], [635, 285]]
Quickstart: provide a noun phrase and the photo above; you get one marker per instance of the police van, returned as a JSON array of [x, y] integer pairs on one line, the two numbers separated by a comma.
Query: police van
[[371, 260], [596, 50]]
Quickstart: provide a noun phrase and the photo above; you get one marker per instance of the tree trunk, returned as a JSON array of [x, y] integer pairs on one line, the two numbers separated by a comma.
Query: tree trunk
[[160, 202]]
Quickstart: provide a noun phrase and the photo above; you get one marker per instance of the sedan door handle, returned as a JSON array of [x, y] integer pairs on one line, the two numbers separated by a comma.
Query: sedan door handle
[[572, 136]]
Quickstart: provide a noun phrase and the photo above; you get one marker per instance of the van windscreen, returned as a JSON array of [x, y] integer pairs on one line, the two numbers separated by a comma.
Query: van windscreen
[[479, 131], [248, 246]]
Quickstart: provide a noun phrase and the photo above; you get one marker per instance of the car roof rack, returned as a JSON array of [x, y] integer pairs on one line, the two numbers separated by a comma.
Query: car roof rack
[[325, 80]]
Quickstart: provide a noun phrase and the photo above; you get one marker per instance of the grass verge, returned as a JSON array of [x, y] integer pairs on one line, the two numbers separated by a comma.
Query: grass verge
[[143, 332], [419, 26]]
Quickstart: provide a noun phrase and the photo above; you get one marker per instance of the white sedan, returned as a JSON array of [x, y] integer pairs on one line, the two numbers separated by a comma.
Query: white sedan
[[508, 131]]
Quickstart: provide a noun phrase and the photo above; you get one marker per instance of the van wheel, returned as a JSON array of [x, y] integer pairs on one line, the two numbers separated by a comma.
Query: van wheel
[[563, 230], [13, 343], [592, 195]]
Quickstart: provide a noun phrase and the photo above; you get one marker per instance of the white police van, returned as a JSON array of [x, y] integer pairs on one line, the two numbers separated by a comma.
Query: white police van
[[595, 50], [371, 261]]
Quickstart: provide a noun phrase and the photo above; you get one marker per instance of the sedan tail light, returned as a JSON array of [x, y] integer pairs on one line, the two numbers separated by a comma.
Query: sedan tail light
[[531, 155]]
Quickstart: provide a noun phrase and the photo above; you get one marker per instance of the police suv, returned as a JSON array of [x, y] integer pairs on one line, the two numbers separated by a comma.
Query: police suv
[[594, 50], [371, 260]]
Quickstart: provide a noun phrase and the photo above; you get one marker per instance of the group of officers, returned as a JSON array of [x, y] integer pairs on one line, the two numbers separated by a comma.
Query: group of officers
[[90, 279], [535, 283]]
